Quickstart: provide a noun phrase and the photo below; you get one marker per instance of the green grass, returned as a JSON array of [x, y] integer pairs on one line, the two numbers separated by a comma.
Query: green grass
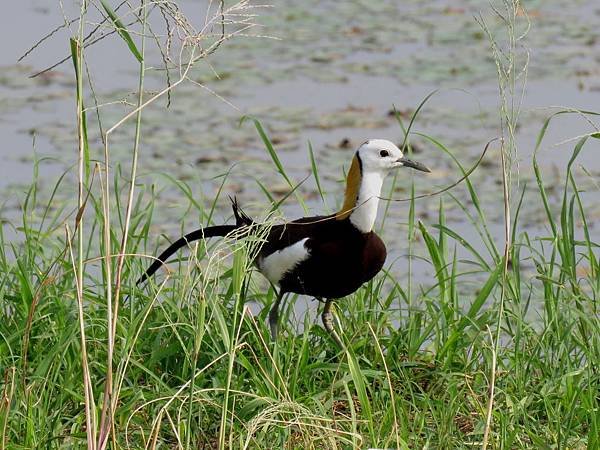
[[193, 368], [181, 363]]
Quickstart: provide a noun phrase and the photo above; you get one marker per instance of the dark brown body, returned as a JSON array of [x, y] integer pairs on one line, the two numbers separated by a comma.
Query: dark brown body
[[341, 258]]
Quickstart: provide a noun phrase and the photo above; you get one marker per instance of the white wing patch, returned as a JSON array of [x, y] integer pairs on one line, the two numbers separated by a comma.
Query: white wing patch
[[277, 264]]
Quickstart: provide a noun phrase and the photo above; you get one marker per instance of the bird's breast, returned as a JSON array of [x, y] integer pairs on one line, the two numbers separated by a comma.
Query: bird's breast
[[373, 256]]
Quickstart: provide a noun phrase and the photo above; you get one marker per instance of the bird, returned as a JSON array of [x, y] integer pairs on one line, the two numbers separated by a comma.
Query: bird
[[327, 257]]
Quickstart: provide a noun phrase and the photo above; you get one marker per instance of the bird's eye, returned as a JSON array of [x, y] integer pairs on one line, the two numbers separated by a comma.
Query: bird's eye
[[384, 153]]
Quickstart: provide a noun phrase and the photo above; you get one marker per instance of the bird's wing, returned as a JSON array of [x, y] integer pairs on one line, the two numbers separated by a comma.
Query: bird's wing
[[327, 247], [290, 233]]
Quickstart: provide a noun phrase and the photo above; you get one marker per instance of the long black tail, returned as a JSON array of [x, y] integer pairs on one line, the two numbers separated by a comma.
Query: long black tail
[[202, 233], [241, 220]]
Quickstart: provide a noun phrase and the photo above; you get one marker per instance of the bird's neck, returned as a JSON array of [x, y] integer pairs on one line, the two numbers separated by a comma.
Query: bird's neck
[[361, 198]]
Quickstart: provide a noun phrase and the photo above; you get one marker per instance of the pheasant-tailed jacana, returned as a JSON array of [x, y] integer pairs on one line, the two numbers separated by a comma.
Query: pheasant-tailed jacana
[[327, 257]]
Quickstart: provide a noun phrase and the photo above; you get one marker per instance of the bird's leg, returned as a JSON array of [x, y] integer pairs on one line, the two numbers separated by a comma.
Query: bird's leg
[[327, 318], [274, 315]]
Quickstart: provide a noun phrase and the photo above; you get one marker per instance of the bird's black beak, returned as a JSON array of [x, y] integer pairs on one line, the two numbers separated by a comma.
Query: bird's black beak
[[414, 165]]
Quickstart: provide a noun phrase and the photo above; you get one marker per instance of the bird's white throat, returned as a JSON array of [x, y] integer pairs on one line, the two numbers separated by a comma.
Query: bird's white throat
[[364, 213]]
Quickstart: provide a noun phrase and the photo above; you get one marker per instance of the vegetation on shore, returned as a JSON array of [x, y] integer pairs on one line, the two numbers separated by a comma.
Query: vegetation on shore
[[88, 359]]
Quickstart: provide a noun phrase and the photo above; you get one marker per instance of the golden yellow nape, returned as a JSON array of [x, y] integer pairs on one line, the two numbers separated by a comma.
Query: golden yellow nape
[[353, 181]]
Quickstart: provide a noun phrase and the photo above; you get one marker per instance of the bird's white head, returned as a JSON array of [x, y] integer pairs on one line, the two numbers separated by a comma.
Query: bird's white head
[[379, 155], [371, 163]]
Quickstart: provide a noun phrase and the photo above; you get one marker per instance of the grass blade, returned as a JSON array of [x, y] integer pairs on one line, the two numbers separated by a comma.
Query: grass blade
[[474, 309], [121, 30], [315, 171], [75, 56]]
